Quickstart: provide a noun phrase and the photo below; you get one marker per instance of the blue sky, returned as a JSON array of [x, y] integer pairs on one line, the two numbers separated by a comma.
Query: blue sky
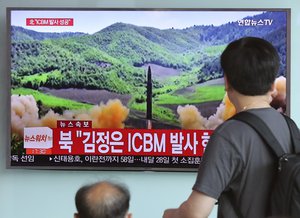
[[91, 21]]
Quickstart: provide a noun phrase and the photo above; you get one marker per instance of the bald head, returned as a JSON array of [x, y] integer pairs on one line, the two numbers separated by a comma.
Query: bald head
[[102, 200]]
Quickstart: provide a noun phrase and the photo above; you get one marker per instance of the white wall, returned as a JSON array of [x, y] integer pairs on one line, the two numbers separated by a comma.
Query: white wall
[[50, 193]]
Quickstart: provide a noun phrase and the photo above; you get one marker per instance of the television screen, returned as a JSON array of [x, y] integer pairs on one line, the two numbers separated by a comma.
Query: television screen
[[137, 89]]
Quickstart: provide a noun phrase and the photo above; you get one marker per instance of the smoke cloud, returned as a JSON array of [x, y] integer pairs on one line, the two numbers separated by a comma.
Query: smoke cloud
[[111, 115], [190, 117], [279, 94], [24, 113]]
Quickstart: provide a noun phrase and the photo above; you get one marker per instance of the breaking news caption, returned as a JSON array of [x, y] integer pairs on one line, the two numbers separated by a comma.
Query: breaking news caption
[[76, 143]]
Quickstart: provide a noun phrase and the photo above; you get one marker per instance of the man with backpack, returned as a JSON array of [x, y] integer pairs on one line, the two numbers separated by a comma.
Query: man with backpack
[[239, 168]]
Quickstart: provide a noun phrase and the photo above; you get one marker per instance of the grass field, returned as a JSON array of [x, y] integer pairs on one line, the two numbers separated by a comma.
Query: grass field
[[200, 95], [49, 100]]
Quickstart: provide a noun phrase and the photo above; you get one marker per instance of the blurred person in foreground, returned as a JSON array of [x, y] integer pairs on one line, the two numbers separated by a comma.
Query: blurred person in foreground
[[102, 200], [237, 167]]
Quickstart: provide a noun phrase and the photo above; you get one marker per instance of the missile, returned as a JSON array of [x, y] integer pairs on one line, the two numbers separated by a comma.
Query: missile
[[149, 99]]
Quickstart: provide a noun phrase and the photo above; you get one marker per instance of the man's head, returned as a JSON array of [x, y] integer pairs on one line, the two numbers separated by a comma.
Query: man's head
[[250, 65], [102, 200]]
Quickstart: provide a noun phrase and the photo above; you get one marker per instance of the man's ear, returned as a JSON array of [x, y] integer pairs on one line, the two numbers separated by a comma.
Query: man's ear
[[76, 215], [273, 88], [129, 215], [226, 83], [273, 91]]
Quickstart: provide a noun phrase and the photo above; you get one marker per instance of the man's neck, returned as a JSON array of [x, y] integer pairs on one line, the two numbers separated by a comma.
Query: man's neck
[[252, 102]]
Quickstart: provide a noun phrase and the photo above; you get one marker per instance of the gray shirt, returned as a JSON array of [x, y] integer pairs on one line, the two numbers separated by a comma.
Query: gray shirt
[[237, 160]]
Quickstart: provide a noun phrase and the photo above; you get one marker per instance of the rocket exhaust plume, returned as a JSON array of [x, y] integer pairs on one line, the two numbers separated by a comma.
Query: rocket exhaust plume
[[149, 99], [190, 117], [110, 115]]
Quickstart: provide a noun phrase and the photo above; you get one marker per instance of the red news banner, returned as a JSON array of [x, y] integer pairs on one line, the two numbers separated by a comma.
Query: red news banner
[[49, 21], [78, 138]]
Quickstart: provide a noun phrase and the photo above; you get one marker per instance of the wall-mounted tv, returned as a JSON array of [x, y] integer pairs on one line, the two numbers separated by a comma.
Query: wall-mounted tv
[[126, 88]]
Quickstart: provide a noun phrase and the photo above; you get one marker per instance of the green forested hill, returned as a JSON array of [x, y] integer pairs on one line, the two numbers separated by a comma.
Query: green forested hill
[[76, 65], [21, 34], [111, 58]]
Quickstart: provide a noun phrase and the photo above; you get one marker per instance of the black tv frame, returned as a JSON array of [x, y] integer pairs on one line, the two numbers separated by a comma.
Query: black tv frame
[[143, 168]]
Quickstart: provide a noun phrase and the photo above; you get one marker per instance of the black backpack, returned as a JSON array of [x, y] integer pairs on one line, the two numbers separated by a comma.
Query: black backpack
[[285, 193]]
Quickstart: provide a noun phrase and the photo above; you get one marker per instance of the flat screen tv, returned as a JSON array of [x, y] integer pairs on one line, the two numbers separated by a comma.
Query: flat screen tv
[[128, 88]]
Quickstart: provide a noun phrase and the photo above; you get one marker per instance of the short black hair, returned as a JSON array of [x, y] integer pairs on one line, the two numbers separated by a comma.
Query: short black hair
[[111, 201], [251, 65]]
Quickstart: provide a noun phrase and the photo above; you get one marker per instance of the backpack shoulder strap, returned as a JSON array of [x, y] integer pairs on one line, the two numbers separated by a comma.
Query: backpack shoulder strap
[[262, 129], [295, 134]]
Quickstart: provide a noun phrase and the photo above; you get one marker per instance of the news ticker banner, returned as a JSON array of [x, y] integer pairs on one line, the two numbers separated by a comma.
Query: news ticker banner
[[75, 143]]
